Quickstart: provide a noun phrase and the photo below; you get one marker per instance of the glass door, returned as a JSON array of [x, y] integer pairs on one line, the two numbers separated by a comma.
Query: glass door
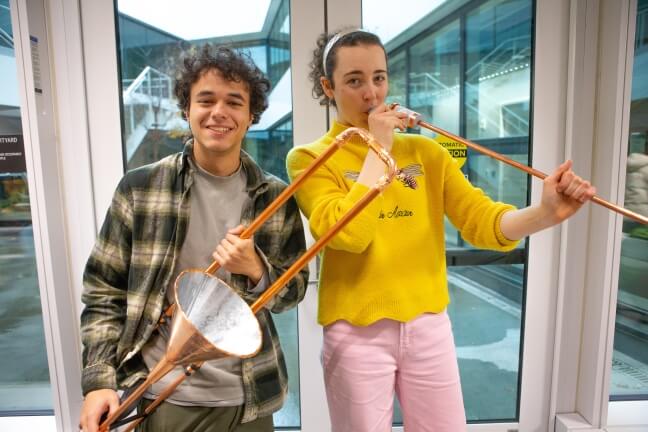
[[151, 40], [467, 69], [24, 381], [629, 378]]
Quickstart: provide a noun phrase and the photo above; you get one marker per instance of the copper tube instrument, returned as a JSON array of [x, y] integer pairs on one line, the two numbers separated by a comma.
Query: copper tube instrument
[[210, 320], [415, 118]]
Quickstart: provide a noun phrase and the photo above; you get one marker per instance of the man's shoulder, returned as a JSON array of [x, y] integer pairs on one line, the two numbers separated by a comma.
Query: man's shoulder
[[259, 176], [273, 185], [274, 181], [152, 173]]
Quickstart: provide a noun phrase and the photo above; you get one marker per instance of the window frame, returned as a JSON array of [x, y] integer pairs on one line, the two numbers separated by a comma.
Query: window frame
[[565, 370]]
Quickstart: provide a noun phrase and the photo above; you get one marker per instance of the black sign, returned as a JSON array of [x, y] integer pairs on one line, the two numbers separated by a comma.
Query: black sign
[[12, 154]]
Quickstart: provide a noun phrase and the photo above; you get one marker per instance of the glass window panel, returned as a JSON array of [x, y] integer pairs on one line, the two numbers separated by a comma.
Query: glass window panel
[[499, 181], [392, 27], [467, 70], [279, 43], [486, 315], [152, 127], [434, 89], [498, 73], [25, 386], [397, 78], [629, 378], [434, 78]]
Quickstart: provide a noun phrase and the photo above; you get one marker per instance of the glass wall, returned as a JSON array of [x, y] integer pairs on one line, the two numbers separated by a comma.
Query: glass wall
[[629, 378], [24, 379], [149, 49], [466, 67], [278, 44], [271, 146], [151, 125], [433, 88]]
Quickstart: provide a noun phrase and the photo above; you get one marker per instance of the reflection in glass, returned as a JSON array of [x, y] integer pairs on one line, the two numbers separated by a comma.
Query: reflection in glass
[[498, 60], [466, 67], [486, 314], [434, 78], [150, 46], [392, 27], [279, 44], [629, 378], [271, 146], [500, 181], [398, 79], [152, 126], [24, 386]]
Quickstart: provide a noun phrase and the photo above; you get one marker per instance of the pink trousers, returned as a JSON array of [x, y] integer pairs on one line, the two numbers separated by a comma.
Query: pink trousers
[[364, 366]]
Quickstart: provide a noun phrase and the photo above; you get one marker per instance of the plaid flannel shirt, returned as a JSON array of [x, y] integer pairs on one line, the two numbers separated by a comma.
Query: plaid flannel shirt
[[130, 267]]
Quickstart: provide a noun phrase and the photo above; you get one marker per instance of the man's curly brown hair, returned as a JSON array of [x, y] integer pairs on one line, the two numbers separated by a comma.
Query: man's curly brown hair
[[233, 65], [355, 38]]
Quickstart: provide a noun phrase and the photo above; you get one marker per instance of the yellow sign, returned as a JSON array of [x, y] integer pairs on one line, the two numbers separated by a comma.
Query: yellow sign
[[457, 150]]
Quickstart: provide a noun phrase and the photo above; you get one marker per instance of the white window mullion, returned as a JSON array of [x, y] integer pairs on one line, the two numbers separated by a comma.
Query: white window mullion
[[544, 266], [102, 86], [603, 251], [309, 123]]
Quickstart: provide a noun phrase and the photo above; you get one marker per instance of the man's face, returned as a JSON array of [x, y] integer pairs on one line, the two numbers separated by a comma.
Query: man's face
[[219, 116]]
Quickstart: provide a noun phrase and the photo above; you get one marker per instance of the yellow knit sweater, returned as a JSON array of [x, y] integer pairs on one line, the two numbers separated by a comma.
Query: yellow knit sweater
[[389, 262]]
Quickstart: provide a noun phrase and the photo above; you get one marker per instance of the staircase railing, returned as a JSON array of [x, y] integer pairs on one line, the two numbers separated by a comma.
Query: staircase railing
[[510, 53], [148, 103], [424, 87]]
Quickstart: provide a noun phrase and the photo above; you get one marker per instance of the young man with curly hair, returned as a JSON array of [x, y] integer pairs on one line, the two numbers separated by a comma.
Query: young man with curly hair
[[183, 212]]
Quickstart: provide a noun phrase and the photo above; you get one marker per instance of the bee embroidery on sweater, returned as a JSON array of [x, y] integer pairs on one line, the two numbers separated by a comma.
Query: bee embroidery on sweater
[[405, 175]]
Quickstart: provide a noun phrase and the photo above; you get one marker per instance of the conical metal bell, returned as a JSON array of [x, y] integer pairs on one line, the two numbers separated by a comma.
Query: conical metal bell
[[211, 321]]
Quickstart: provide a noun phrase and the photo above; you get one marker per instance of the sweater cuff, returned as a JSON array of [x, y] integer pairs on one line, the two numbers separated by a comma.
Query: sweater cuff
[[504, 241], [98, 376]]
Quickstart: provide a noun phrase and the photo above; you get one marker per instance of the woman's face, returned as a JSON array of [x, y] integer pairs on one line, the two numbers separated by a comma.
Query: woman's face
[[360, 78]]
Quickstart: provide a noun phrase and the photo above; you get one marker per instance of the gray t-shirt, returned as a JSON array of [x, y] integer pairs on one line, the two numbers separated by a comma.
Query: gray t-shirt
[[216, 206]]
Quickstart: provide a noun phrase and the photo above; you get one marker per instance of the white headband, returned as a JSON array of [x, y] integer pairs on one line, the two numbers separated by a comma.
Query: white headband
[[333, 41]]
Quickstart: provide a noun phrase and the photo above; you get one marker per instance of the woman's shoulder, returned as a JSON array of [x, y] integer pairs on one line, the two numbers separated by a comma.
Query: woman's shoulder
[[307, 151], [422, 145]]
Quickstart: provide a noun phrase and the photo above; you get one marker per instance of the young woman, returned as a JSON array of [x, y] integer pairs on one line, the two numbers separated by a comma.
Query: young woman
[[383, 290]]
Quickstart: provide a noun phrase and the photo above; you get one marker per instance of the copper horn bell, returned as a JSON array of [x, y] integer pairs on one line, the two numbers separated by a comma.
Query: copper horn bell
[[210, 320], [415, 119]]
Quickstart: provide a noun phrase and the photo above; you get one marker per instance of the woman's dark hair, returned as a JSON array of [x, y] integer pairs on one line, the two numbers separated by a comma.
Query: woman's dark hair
[[233, 65], [352, 38]]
